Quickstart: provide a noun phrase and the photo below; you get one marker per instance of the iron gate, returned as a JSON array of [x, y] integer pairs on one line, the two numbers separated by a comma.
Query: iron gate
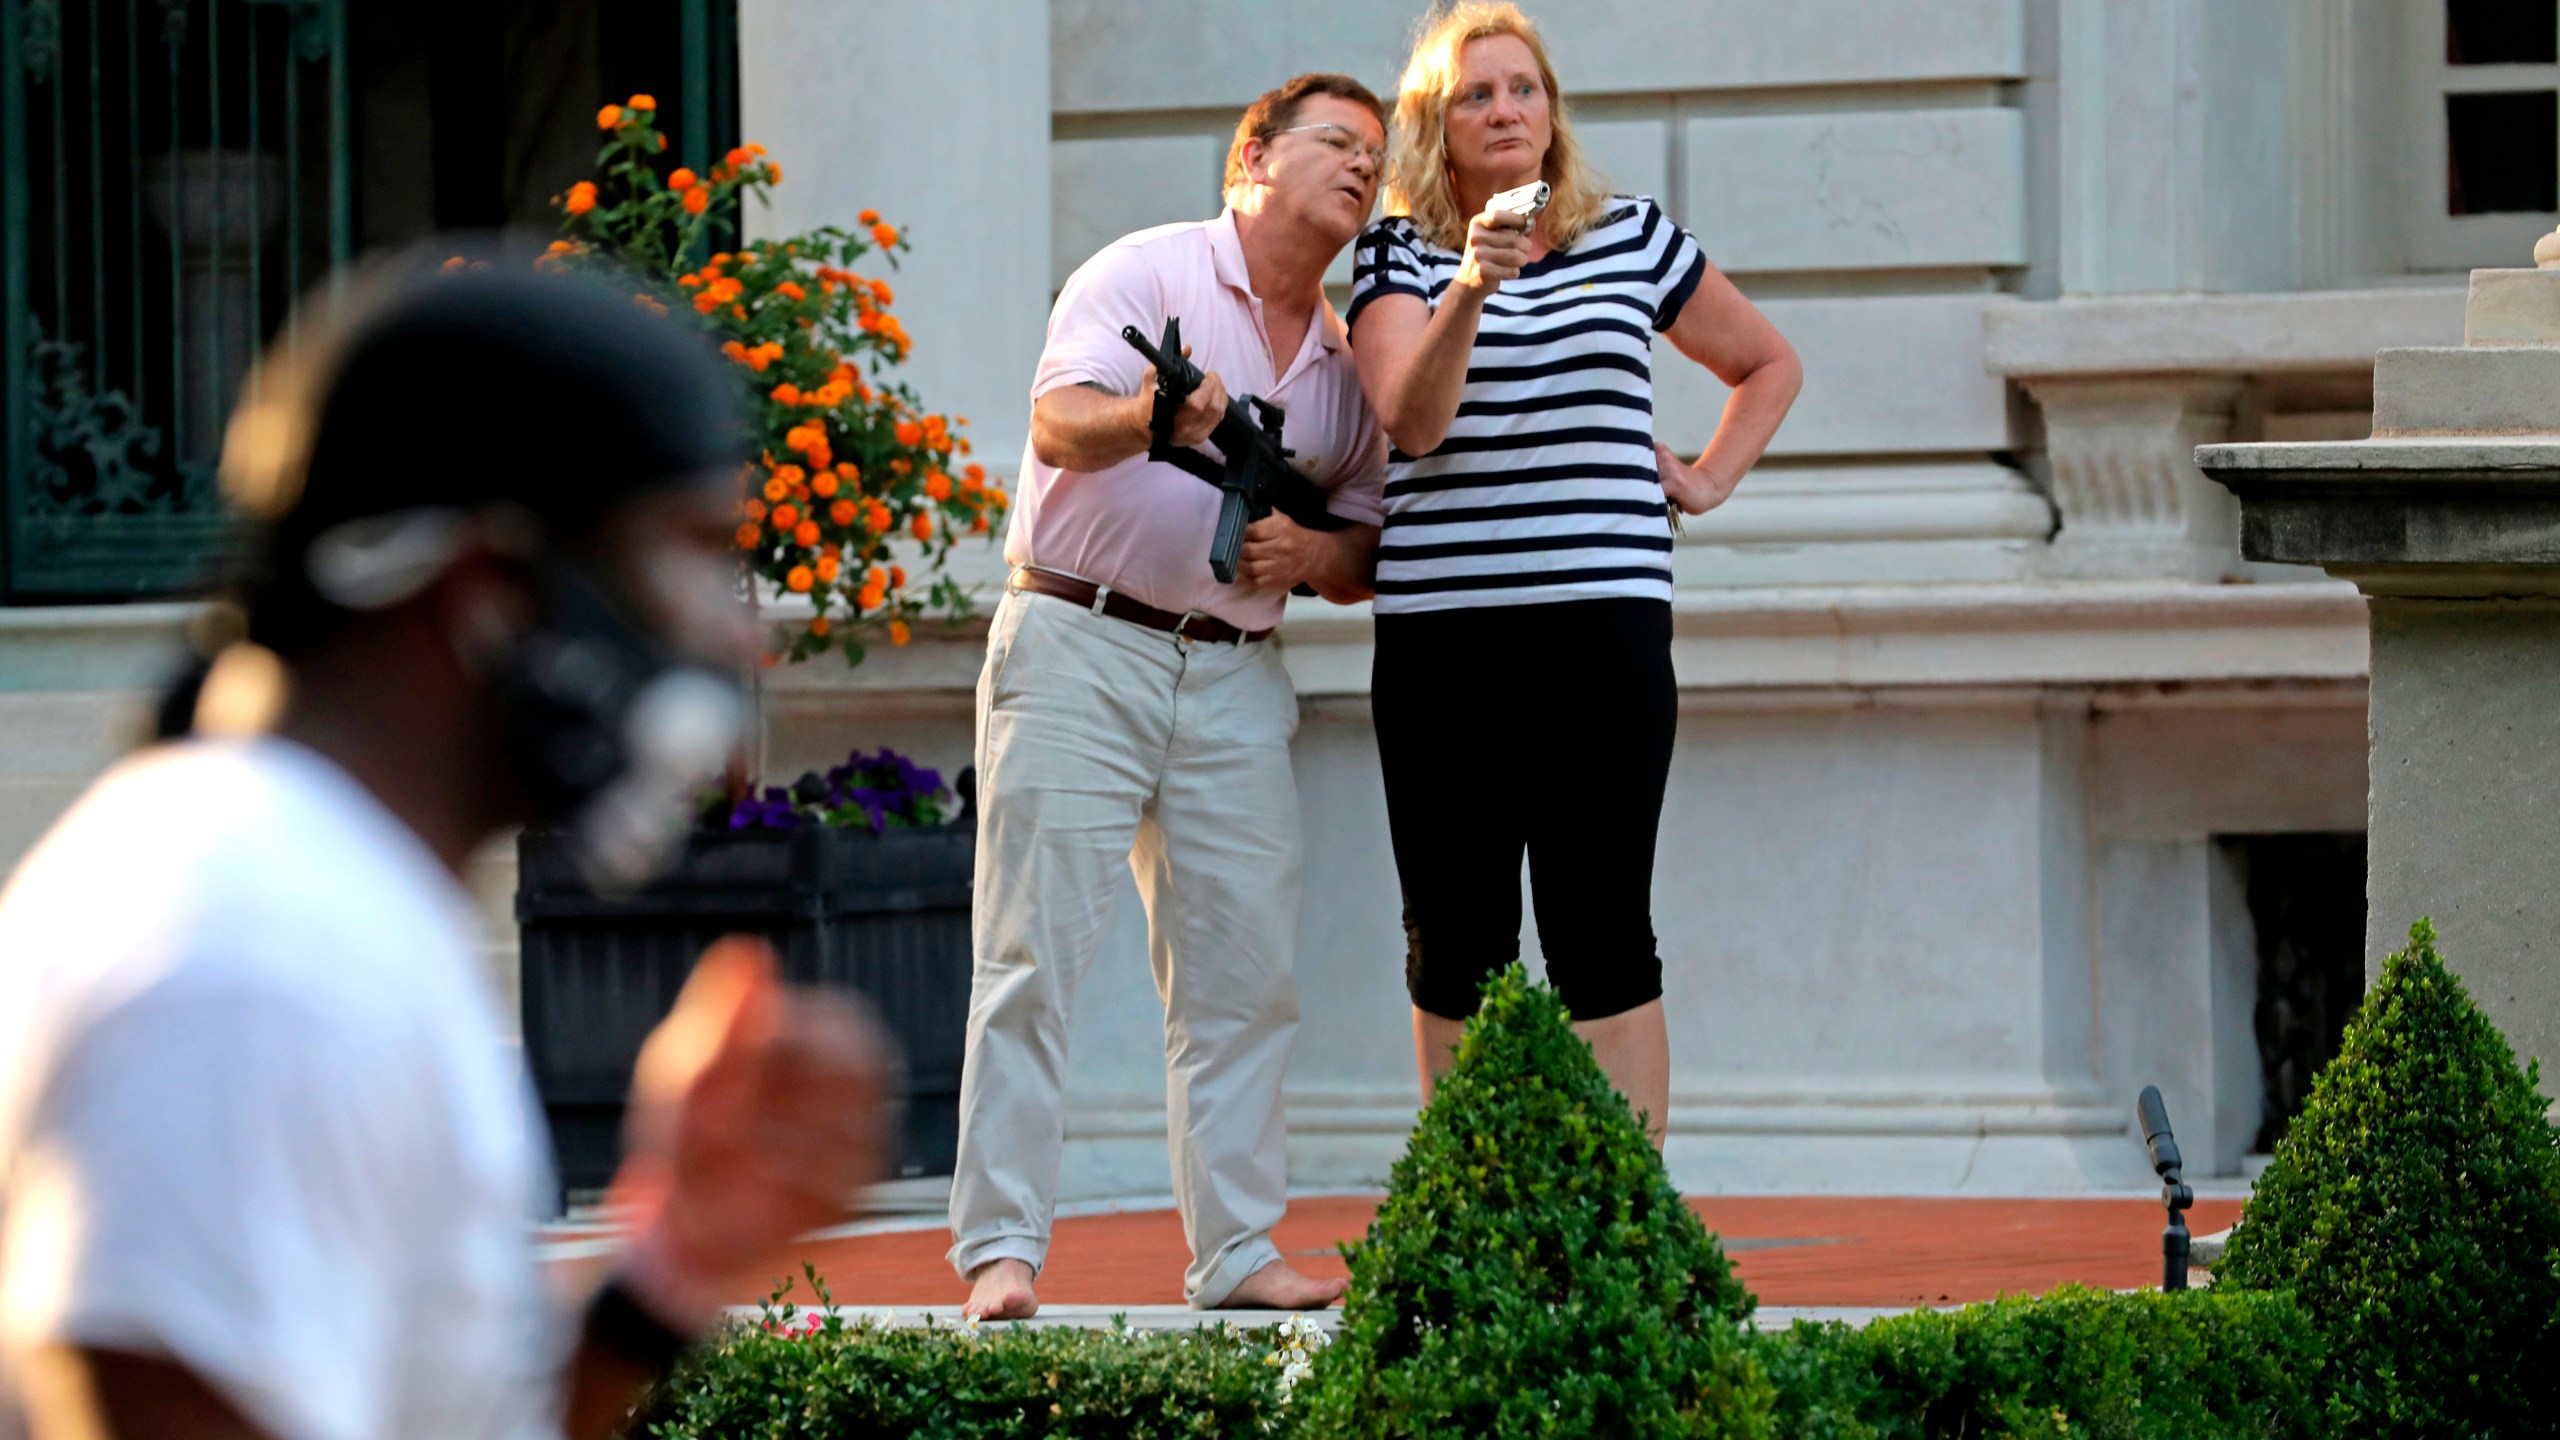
[[172, 174]]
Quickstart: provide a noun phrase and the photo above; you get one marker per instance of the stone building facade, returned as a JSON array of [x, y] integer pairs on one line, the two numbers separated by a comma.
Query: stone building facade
[[1991, 745]]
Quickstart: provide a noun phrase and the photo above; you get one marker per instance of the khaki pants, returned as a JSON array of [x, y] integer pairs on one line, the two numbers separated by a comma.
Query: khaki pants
[[1101, 743]]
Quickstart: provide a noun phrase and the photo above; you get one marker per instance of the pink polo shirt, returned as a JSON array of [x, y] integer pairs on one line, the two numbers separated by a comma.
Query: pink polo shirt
[[1145, 527]]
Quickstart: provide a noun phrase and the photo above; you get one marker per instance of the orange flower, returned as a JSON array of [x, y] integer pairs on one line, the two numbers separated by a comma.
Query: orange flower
[[884, 235], [818, 626], [799, 579], [642, 102], [868, 217], [683, 179], [752, 508], [789, 291], [786, 393], [842, 512], [772, 173], [730, 348], [777, 489], [582, 198], [910, 433], [878, 518], [740, 157], [748, 535], [828, 568], [901, 467], [898, 632], [875, 578], [937, 486], [805, 533], [978, 526], [923, 527], [755, 149], [785, 517], [662, 144], [608, 117], [824, 485], [559, 247], [975, 472], [696, 201], [897, 577], [881, 292], [996, 496], [706, 302], [870, 599], [791, 474]]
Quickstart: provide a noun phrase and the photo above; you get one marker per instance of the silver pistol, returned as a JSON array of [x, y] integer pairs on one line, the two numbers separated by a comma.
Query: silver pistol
[[1524, 202]]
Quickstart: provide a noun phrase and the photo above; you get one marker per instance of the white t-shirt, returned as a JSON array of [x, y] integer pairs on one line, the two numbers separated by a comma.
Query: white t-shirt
[[255, 1110]]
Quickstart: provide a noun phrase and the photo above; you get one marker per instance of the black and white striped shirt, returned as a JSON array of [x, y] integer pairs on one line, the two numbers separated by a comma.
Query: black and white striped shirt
[[1545, 487]]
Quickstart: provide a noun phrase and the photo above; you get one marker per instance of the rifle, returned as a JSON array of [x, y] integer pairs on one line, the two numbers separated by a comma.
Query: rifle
[[1255, 474]]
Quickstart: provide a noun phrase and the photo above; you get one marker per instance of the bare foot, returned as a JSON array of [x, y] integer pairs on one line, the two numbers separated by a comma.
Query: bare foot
[[1276, 1286], [1001, 1290]]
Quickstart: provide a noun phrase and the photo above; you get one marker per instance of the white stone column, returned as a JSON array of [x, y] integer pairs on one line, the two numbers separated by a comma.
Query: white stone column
[[937, 116]]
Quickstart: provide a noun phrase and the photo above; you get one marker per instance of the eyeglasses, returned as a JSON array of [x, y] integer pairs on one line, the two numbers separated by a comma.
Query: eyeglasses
[[1341, 141]]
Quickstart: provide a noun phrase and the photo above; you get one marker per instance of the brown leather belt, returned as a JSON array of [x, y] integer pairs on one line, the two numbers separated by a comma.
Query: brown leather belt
[[1103, 600]]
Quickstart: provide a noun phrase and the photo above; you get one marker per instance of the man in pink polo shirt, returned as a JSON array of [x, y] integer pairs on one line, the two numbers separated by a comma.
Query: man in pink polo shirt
[[1133, 712]]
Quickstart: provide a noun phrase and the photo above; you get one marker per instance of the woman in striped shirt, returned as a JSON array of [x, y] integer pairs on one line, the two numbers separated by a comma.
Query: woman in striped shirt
[[1523, 689]]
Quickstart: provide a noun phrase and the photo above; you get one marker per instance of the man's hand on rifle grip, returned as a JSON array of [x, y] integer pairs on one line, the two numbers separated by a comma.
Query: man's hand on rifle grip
[[1200, 414], [1279, 553]]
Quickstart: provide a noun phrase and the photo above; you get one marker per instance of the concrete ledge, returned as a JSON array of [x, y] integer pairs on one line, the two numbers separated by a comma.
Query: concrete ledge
[[2422, 458], [2094, 632], [91, 647], [2233, 334], [2466, 516]]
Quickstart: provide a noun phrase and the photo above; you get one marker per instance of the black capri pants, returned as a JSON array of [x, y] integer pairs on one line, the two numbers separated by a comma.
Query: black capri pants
[[1538, 727]]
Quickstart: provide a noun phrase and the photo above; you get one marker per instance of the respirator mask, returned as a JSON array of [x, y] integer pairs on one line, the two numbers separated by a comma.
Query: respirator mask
[[606, 721]]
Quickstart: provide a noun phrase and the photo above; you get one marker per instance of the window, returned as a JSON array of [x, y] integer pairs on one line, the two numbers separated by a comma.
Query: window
[[2485, 130]]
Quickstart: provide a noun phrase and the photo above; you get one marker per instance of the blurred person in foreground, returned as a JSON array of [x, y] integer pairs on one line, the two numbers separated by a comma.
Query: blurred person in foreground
[[266, 1166]]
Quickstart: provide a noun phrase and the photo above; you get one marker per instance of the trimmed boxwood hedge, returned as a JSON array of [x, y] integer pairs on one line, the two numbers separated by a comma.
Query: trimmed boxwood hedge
[[813, 1375], [2202, 1365], [1533, 1273], [2414, 1211]]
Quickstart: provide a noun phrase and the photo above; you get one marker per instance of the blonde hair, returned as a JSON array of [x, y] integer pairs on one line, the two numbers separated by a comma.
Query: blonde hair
[[1418, 180]]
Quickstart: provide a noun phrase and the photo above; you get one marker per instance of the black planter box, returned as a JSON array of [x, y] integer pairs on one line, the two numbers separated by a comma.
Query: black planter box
[[884, 916]]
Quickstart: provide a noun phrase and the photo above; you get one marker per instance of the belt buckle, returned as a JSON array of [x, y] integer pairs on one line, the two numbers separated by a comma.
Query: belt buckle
[[1182, 628]]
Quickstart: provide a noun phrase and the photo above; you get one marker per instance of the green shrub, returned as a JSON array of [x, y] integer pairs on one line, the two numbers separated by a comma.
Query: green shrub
[[2204, 1365], [2414, 1211], [1533, 1272], [811, 1375]]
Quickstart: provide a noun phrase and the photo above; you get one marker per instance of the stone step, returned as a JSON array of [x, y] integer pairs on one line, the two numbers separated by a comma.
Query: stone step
[[2454, 390]]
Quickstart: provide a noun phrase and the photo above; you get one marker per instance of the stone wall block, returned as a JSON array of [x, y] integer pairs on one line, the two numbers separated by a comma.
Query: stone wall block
[[1897, 188]]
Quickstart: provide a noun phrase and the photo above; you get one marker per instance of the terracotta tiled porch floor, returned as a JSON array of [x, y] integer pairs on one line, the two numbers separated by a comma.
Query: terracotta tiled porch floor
[[1820, 1251]]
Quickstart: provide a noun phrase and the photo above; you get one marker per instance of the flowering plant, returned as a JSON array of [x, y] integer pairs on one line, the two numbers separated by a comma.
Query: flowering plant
[[876, 792], [852, 470]]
